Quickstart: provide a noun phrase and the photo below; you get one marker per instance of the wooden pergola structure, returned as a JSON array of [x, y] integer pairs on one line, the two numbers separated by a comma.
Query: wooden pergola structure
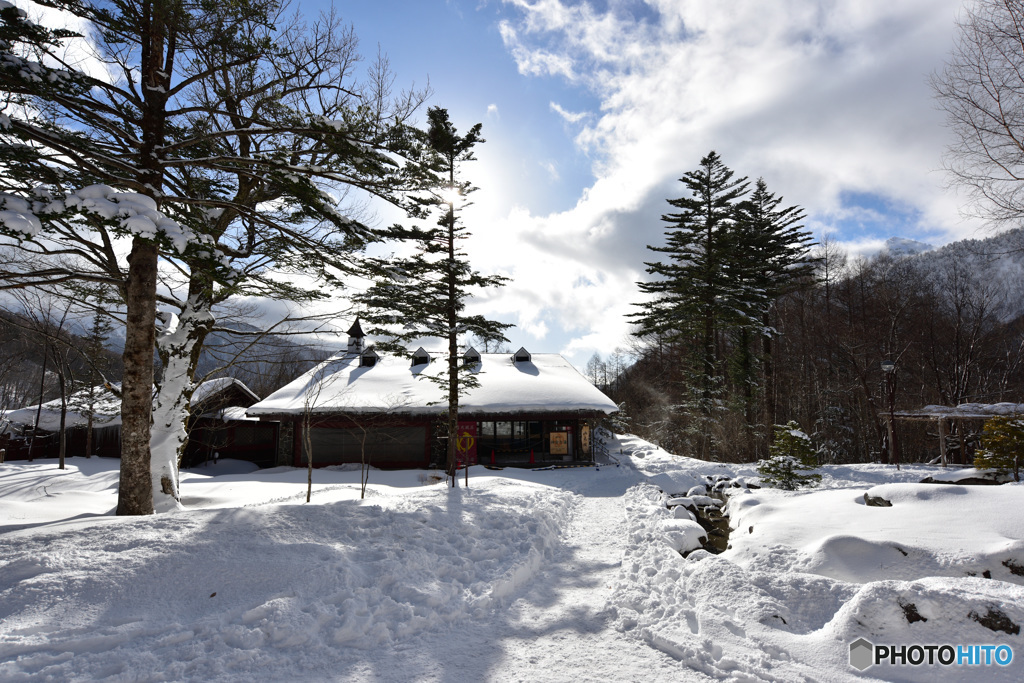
[[944, 415]]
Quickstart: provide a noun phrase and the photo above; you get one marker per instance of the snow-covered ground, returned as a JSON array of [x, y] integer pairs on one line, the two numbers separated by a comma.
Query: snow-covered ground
[[556, 575]]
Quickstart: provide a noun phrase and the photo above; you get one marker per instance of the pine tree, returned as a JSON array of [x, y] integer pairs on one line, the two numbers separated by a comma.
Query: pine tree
[[1002, 445], [696, 292], [425, 294], [773, 259], [791, 457], [94, 353]]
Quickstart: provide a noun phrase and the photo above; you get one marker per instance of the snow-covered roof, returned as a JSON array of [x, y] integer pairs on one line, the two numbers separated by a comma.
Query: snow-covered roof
[[107, 408], [229, 413], [964, 411], [546, 384], [106, 411], [218, 384]]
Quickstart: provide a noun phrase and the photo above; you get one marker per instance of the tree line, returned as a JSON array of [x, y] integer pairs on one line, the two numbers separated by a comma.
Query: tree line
[[950, 320], [947, 324]]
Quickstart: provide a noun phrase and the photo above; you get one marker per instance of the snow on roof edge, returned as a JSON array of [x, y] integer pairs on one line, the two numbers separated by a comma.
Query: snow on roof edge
[[546, 384]]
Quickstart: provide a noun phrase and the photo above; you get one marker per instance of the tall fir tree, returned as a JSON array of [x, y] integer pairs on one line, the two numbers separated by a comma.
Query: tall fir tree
[[425, 294], [772, 260], [696, 290], [96, 358]]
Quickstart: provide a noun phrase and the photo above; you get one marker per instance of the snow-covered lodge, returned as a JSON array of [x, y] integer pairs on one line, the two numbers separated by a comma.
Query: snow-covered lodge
[[218, 427], [527, 409]]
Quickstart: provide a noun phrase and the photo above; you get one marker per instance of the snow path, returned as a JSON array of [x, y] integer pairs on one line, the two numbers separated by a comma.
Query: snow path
[[559, 624], [557, 575]]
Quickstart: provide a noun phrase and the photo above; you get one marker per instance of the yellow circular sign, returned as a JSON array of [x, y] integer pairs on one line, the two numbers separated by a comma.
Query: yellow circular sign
[[465, 442]]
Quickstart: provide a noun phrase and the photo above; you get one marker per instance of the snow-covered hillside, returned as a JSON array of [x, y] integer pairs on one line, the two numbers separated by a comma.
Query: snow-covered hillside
[[535, 576], [994, 264]]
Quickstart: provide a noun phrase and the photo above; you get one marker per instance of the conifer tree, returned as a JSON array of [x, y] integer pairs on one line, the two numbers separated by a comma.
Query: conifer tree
[[791, 458], [93, 349], [772, 259], [695, 291], [1002, 445], [425, 294]]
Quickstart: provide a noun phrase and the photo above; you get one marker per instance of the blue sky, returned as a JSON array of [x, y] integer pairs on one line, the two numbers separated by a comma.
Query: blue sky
[[593, 110], [457, 47]]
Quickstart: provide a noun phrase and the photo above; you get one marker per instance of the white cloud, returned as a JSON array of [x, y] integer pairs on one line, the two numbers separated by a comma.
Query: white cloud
[[569, 116], [534, 62], [78, 52], [492, 111], [821, 98]]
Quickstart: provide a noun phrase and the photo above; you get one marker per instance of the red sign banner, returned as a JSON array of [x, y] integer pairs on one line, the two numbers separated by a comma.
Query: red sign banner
[[465, 443]]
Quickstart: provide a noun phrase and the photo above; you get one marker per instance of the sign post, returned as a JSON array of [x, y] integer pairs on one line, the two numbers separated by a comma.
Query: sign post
[[465, 446]]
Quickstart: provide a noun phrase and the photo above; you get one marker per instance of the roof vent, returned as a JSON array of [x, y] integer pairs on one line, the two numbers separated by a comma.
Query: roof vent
[[369, 358], [355, 337], [420, 357], [522, 356]]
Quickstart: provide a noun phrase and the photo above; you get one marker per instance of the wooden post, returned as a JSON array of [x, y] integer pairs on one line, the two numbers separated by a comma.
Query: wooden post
[[942, 440], [892, 443], [963, 442]]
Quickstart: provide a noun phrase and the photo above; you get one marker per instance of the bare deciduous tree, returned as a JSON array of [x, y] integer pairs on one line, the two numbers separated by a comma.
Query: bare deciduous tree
[[981, 89]]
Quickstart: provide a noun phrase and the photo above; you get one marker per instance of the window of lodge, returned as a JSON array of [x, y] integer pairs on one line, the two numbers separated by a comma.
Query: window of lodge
[[510, 437]]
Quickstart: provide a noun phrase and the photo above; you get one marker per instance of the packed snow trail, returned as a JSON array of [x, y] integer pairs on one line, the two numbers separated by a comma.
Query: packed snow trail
[[561, 575], [558, 625], [565, 617]]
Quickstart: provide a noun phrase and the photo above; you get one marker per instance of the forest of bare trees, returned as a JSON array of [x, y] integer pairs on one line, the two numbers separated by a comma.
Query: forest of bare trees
[[950, 319]]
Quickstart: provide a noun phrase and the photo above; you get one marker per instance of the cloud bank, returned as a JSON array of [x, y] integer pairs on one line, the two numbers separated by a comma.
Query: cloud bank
[[827, 100]]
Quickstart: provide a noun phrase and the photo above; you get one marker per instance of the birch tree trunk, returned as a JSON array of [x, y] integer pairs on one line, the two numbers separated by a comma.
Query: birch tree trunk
[[178, 344]]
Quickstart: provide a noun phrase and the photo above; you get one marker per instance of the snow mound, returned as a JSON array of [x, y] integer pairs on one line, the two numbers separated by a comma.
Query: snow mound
[[963, 611], [926, 532], [683, 535], [265, 593]]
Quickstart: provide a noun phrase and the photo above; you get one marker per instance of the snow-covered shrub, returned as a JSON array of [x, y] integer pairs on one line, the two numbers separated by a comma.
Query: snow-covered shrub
[[1002, 445], [790, 441], [785, 472], [620, 422], [791, 458]]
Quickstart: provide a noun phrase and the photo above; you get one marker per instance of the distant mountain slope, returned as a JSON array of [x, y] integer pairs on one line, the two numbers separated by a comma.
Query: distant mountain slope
[[264, 363], [22, 350], [995, 263], [902, 246]]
